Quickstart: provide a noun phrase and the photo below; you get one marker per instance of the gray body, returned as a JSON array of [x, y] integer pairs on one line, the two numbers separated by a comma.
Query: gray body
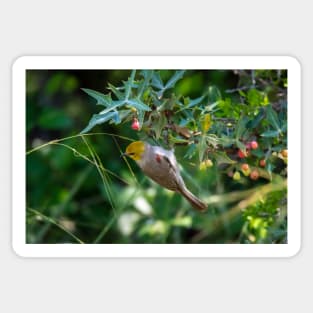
[[161, 166], [164, 169]]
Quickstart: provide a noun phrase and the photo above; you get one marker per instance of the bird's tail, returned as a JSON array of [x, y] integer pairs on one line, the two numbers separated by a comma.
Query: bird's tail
[[193, 200]]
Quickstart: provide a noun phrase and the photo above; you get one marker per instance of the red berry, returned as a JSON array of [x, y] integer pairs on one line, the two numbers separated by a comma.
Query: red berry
[[245, 167], [254, 175], [262, 163], [135, 124], [248, 145], [241, 154], [254, 145]]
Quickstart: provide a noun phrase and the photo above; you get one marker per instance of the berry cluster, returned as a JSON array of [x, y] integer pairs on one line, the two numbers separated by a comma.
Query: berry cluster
[[254, 173], [253, 145], [205, 164], [245, 168]]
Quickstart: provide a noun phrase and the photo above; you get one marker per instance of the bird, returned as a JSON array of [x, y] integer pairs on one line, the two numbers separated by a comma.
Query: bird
[[161, 166]]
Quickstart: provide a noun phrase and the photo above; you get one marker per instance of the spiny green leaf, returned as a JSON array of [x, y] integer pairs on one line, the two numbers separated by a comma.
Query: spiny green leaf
[[177, 140], [194, 102], [116, 118], [138, 104], [129, 84], [226, 141], [116, 92], [258, 153], [241, 126], [141, 117], [191, 151], [168, 104], [147, 74], [159, 125], [160, 93], [188, 116], [100, 97], [172, 81], [100, 119], [212, 140], [240, 145], [272, 118], [256, 120], [157, 80], [124, 113], [270, 133], [158, 83], [209, 108], [222, 158], [284, 127], [114, 106], [202, 146]]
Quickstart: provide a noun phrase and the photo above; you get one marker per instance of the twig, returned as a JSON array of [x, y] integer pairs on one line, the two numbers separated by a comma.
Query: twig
[[248, 198], [52, 221], [74, 136]]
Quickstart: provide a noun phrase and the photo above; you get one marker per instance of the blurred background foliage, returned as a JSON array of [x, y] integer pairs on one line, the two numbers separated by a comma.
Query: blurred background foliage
[[79, 189]]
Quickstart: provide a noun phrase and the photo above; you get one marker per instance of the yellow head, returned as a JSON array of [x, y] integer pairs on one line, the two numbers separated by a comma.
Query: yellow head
[[135, 150]]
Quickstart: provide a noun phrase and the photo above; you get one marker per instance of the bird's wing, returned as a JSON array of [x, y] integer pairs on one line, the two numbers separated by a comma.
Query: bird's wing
[[162, 168], [172, 166], [169, 159]]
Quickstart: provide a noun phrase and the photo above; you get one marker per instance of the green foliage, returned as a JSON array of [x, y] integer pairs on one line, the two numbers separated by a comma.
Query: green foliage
[[263, 223], [79, 189]]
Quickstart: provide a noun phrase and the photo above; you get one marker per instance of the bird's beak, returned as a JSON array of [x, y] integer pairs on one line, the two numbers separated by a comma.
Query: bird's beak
[[123, 155]]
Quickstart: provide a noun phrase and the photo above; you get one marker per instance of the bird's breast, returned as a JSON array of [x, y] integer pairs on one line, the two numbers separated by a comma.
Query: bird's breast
[[158, 168]]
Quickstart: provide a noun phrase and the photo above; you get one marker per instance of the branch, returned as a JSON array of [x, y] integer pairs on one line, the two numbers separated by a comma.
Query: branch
[[247, 197]]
